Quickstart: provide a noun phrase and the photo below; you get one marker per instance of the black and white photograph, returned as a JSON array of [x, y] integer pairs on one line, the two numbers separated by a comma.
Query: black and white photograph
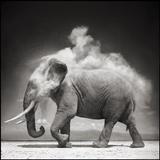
[[79, 80]]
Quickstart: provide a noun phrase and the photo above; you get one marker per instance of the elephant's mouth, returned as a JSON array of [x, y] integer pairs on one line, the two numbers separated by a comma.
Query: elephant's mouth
[[22, 113]]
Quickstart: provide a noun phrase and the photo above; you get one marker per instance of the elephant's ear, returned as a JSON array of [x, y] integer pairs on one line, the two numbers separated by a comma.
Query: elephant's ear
[[57, 70]]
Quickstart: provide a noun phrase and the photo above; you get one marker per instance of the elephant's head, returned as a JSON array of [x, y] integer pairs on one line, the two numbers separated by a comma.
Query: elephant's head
[[46, 78]]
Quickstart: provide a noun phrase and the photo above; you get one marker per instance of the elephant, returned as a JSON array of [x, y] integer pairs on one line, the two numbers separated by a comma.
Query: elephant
[[88, 93]]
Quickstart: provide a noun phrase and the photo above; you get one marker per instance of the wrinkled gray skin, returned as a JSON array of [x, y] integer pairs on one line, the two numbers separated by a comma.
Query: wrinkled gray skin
[[95, 94]]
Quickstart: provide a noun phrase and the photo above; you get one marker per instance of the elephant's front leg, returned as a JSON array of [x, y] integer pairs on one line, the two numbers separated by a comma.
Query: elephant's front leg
[[66, 130], [61, 119]]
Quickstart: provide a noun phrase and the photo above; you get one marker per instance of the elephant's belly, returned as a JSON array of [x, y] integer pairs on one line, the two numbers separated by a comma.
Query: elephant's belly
[[92, 112], [91, 116]]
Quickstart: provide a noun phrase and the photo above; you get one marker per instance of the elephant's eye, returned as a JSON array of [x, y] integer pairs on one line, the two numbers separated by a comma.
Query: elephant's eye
[[32, 85]]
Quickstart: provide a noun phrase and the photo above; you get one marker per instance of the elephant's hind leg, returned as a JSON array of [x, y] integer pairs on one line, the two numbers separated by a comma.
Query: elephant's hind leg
[[136, 137], [111, 113], [105, 135]]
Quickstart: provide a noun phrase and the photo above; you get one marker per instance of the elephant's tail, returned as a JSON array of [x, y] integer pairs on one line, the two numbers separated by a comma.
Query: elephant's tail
[[133, 104], [127, 128]]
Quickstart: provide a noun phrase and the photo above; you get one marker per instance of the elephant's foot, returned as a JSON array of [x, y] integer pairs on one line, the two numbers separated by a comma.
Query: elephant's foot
[[100, 144], [64, 141], [137, 145], [66, 145]]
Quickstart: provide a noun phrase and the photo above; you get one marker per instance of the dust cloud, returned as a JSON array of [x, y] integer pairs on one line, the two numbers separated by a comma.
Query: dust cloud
[[86, 54]]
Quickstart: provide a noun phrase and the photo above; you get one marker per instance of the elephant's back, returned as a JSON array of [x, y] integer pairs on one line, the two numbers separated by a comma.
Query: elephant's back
[[98, 77]]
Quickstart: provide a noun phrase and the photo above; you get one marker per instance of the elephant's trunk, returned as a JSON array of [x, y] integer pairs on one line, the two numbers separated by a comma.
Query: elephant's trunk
[[30, 116]]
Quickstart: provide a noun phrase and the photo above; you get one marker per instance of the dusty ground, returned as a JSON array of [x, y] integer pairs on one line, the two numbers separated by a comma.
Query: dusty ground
[[81, 150]]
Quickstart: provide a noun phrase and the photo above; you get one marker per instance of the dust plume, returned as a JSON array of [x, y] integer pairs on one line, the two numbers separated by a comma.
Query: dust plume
[[86, 54]]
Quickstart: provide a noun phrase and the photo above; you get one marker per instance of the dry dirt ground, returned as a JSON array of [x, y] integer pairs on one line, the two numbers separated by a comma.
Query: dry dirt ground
[[80, 150]]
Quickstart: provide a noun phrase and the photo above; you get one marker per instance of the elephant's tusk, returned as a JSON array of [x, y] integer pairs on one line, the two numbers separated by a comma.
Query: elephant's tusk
[[24, 120], [21, 121], [23, 113], [35, 108]]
